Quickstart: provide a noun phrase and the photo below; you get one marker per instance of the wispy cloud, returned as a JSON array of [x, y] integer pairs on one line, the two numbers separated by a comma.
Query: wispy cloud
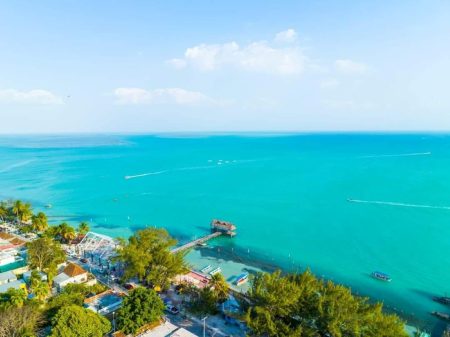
[[161, 96], [258, 56], [329, 83], [347, 66], [287, 36], [35, 96]]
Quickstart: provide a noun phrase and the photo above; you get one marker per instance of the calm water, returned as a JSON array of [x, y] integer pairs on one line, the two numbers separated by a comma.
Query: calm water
[[287, 194]]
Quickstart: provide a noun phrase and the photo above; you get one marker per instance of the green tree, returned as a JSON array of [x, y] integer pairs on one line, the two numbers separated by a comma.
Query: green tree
[[44, 254], [202, 301], [3, 211], [141, 307], [62, 300], [22, 211], [39, 222], [38, 287], [83, 228], [302, 305], [77, 321], [147, 256], [220, 287], [15, 297], [66, 232]]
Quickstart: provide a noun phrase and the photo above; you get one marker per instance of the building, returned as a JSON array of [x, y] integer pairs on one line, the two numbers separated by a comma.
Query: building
[[27, 275], [167, 329], [72, 273], [9, 280]]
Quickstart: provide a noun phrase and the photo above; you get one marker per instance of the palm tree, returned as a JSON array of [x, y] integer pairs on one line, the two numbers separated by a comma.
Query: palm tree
[[39, 222], [17, 297], [66, 232], [3, 211], [40, 289], [22, 211], [83, 228], [220, 287]]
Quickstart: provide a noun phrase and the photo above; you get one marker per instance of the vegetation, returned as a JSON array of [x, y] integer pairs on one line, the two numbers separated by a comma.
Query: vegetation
[[142, 306], [39, 222], [83, 228], [77, 321], [446, 333], [22, 211], [63, 233], [13, 298], [302, 305], [146, 255], [38, 287], [20, 321], [44, 254]]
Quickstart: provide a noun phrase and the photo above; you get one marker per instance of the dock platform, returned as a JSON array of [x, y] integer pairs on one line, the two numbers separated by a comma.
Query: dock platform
[[218, 228]]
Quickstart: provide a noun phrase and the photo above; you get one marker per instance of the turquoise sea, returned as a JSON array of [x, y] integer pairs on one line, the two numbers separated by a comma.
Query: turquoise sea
[[288, 195]]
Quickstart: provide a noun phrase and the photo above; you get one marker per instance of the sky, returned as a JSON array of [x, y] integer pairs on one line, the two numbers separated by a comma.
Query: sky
[[223, 66]]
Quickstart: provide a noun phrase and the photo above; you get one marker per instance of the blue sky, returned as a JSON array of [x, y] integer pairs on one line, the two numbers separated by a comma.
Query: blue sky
[[154, 66]]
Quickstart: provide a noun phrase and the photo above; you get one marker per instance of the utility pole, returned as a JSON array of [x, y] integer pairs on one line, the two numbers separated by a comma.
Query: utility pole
[[204, 325]]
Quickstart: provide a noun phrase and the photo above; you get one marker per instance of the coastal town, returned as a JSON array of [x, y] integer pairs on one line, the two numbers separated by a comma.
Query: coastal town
[[62, 280]]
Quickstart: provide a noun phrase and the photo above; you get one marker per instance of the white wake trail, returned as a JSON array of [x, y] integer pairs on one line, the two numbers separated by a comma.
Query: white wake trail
[[398, 204], [398, 155], [145, 174], [16, 165]]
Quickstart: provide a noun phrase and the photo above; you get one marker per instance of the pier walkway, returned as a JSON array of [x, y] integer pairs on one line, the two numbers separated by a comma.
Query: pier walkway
[[196, 242]]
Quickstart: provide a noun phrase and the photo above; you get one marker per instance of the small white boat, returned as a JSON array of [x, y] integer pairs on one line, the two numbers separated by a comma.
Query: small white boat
[[48, 206], [215, 271], [206, 269]]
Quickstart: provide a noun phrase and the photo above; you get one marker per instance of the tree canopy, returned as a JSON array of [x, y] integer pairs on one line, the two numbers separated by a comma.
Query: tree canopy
[[39, 222], [76, 321], [146, 255], [45, 254], [302, 305], [19, 321], [142, 306]]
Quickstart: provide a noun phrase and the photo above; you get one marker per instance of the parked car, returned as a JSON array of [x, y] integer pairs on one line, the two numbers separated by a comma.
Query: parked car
[[129, 286], [172, 309]]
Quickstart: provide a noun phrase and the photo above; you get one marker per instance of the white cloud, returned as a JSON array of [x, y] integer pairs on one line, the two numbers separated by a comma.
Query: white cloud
[[161, 96], [287, 36], [35, 96], [329, 83], [350, 67], [259, 56]]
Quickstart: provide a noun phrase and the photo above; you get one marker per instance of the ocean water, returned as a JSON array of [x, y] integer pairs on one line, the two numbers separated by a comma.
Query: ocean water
[[343, 205]]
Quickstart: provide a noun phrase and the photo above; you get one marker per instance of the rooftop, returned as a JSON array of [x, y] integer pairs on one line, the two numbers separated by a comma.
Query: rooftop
[[73, 270]]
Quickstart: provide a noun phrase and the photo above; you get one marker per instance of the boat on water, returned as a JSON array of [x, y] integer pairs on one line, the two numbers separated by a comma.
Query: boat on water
[[48, 206], [442, 299], [381, 276], [215, 271], [441, 315], [206, 269], [241, 279], [202, 244]]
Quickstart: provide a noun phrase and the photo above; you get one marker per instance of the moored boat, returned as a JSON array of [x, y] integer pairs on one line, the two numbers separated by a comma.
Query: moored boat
[[441, 315], [206, 269], [381, 276], [241, 279], [442, 299], [215, 271]]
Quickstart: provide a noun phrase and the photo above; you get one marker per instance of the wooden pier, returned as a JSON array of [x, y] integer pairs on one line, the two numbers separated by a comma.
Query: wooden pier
[[218, 228], [194, 243]]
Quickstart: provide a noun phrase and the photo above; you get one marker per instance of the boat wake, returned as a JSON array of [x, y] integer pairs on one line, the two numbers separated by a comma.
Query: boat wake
[[145, 174], [398, 155], [16, 165], [398, 204]]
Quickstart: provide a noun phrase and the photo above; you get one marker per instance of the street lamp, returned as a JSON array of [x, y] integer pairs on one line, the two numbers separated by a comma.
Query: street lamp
[[114, 322], [204, 325]]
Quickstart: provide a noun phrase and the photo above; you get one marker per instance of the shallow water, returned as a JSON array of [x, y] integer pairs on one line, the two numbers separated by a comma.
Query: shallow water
[[288, 195]]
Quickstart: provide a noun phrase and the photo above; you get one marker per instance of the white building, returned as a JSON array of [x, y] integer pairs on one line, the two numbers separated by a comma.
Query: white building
[[72, 273]]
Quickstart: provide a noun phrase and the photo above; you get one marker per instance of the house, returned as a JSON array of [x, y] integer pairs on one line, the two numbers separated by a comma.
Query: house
[[9, 280], [72, 273], [17, 284], [7, 276], [27, 276]]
